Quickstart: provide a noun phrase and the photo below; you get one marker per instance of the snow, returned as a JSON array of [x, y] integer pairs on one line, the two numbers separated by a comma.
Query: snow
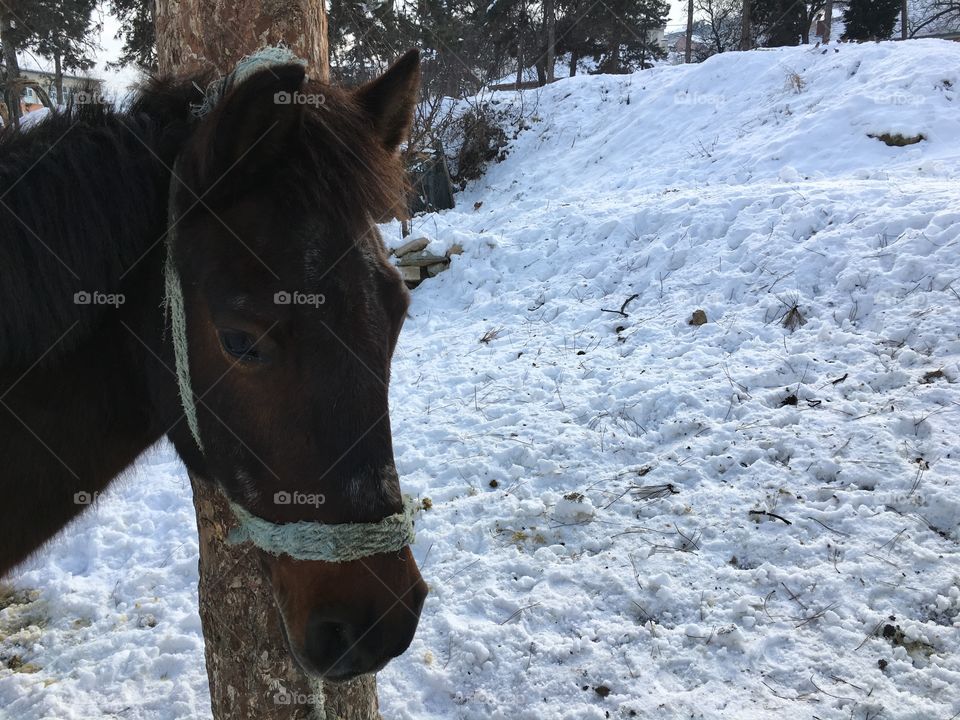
[[633, 516]]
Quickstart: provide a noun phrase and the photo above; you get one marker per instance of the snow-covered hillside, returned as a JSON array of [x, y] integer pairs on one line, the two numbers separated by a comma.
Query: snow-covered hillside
[[633, 515]]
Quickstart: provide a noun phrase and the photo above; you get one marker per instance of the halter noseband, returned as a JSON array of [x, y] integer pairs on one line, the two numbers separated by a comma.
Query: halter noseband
[[331, 543], [300, 540]]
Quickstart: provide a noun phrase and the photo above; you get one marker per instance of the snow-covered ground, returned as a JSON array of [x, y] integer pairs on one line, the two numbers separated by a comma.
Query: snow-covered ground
[[632, 515]]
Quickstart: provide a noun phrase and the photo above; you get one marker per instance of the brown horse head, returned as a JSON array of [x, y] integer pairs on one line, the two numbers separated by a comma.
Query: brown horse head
[[291, 314]]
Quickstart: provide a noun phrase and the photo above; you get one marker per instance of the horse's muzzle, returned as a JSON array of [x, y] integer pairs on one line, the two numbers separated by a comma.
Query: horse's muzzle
[[347, 619]]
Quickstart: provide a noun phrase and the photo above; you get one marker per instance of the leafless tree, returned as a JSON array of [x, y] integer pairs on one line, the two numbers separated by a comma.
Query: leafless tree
[[720, 22]]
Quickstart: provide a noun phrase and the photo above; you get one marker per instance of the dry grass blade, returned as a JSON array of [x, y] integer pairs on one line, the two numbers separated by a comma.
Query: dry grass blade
[[491, 335], [654, 492]]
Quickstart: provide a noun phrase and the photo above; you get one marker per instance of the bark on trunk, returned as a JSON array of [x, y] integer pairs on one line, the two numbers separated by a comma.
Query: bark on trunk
[[904, 30], [58, 77], [827, 21], [541, 68], [251, 674], [688, 50], [10, 59], [550, 19], [197, 35], [745, 42]]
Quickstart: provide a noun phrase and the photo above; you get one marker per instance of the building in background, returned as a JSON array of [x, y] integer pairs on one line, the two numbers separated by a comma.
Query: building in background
[[73, 85]]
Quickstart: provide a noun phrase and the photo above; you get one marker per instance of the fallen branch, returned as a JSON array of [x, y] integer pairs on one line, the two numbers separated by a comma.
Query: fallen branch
[[770, 514], [622, 310]]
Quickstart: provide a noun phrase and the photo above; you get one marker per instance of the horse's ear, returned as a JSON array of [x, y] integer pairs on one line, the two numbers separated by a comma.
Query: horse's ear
[[254, 123], [391, 99]]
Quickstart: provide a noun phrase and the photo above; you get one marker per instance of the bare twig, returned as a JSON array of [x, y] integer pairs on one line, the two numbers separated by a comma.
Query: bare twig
[[623, 308]]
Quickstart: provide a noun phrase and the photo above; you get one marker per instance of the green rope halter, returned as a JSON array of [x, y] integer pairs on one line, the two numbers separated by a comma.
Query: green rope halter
[[331, 543], [300, 540]]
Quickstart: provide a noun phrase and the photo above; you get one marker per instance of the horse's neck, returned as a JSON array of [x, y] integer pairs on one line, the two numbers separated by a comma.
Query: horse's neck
[[84, 388], [81, 200], [69, 426]]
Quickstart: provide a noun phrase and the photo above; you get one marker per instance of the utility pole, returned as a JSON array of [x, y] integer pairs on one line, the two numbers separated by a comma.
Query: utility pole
[[688, 51]]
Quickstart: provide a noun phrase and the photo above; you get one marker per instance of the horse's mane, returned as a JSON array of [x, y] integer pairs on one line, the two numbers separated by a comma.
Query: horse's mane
[[81, 200], [337, 163], [83, 195]]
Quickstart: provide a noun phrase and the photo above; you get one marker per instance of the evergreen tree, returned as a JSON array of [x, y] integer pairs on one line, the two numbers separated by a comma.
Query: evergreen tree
[[629, 33], [870, 19], [575, 31], [778, 22], [783, 22], [620, 35], [63, 31], [137, 29]]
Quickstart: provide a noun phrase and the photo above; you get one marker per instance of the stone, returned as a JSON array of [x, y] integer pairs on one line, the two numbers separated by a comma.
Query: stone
[[410, 274], [410, 246], [699, 317], [421, 259], [437, 268], [455, 249]]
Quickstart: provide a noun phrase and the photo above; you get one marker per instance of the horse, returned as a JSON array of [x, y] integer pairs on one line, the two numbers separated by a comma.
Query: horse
[[212, 272]]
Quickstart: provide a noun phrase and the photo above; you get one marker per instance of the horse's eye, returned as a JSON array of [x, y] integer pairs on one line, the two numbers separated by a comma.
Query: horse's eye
[[241, 345]]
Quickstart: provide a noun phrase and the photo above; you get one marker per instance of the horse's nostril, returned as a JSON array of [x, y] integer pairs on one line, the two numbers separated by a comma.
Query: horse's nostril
[[332, 637], [338, 648]]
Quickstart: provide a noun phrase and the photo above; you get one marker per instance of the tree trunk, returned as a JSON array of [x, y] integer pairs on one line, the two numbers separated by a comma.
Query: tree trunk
[[688, 51], [541, 68], [574, 59], [251, 674], [8, 39], [521, 37], [550, 20], [58, 77], [197, 35], [745, 41], [519, 64], [904, 32], [827, 21]]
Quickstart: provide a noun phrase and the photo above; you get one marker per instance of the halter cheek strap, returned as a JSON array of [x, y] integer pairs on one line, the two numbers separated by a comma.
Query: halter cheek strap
[[265, 58], [178, 330], [330, 543]]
